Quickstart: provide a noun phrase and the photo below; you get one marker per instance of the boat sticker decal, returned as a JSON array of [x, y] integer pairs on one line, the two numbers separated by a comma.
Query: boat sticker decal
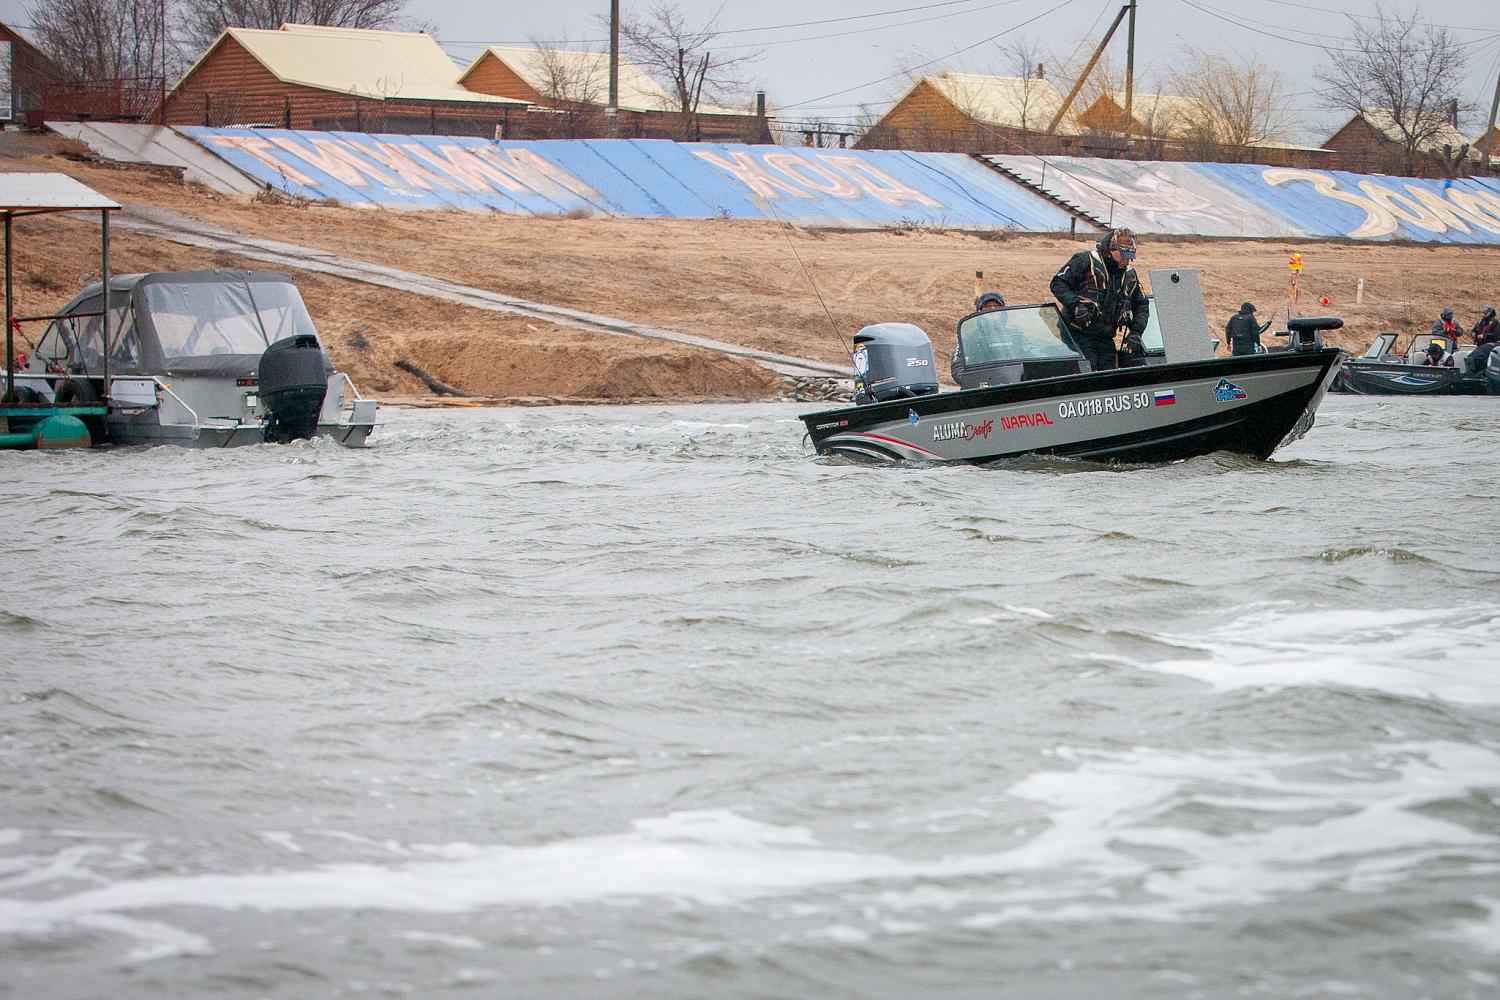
[[896, 441], [1227, 392], [1402, 378], [1096, 406], [861, 362], [1034, 419], [958, 430], [911, 415], [1165, 397]]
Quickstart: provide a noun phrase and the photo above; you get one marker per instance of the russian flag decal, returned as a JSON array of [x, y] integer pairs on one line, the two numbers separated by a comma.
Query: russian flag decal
[[1166, 397]]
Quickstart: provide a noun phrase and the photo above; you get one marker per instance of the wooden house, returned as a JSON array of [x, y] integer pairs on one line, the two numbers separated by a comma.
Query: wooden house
[[973, 113], [569, 94], [311, 77], [25, 74], [1371, 142]]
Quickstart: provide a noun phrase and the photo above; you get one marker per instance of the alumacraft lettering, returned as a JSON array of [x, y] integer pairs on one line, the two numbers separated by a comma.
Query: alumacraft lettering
[[1099, 405], [959, 431]]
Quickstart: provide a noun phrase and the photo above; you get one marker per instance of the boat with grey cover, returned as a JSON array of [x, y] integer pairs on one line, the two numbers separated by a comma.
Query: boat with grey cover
[[1026, 389], [199, 358]]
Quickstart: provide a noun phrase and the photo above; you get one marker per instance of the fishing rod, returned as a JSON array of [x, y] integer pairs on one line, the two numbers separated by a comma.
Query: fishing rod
[[843, 342]]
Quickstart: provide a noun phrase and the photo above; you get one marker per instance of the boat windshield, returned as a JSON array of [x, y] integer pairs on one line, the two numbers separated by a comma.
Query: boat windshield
[[1020, 333], [1151, 336], [198, 319]]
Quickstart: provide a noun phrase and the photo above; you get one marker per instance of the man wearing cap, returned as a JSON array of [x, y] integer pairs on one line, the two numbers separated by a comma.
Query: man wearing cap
[[1445, 327], [1242, 332], [1098, 292], [1487, 329], [1434, 357], [988, 302]]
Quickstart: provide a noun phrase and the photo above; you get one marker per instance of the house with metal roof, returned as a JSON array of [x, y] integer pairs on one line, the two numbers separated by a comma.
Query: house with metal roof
[[1373, 142], [25, 73], [971, 112], [569, 93], [313, 77]]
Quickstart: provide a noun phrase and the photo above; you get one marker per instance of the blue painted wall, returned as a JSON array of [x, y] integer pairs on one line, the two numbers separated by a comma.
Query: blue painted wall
[[1233, 199], [634, 177]]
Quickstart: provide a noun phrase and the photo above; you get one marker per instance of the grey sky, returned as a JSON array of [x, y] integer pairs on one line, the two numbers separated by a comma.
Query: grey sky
[[804, 63]]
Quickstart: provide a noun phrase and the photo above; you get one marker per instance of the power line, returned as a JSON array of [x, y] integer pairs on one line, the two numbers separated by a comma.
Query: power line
[[1366, 17], [781, 27], [950, 55], [1258, 26]]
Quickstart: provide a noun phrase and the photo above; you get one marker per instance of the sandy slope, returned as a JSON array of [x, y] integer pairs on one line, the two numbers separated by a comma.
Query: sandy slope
[[732, 280]]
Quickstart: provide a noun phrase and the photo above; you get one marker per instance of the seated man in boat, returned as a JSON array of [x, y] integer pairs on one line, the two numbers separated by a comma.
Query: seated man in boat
[[984, 303], [1433, 357], [1097, 292]]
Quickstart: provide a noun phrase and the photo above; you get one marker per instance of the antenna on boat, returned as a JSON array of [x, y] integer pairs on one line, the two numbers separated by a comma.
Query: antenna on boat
[[808, 274]]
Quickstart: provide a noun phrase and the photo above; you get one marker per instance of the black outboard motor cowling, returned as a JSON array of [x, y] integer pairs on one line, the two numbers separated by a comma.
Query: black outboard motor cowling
[[293, 381], [893, 361], [1305, 333]]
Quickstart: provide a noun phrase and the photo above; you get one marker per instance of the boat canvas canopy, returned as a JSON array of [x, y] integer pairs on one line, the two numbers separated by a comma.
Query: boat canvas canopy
[[28, 193]]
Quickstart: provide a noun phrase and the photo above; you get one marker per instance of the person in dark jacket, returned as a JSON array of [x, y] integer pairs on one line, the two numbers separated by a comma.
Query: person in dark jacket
[[1434, 356], [1242, 332], [1098, 292], [1445, 327], [984, 303], [1487, 329]]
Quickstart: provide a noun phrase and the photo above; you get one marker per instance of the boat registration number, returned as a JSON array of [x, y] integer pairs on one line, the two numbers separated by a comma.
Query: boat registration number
[[1096, 406]]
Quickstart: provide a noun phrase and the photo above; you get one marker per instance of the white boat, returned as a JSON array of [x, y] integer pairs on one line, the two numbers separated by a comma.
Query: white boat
[[204, 359]]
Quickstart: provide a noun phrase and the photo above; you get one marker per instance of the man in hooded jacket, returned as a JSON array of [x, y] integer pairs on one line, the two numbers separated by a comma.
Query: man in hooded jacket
[[1242, 332], [1097, 292]]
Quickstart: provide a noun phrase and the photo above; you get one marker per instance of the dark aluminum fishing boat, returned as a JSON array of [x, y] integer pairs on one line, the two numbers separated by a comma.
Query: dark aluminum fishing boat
[[1382, 371], [1025, 389]]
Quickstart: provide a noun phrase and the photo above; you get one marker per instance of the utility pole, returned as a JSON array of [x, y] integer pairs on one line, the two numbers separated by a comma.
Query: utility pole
[[1078, 85], [614, 57], [1130, 63], [1489, 132]]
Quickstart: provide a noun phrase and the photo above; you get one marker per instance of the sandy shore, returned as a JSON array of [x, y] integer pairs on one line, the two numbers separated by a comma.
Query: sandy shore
[[734, 281]]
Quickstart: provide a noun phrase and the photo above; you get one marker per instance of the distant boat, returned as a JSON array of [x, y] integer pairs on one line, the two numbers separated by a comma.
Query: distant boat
[[206, 359], [1380, 371]]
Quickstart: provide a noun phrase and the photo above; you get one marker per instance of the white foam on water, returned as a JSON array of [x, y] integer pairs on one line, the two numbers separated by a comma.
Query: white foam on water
[[153, 940], [1354, 824], [1446, 655], [1482, 934], [448, 940]]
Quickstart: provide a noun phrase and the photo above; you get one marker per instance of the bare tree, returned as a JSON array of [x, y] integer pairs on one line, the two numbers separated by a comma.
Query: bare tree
[[680, 53], [202, 21], [1400, 64], [1244, 101], [103, 39], [575, 86], [1023, 58]]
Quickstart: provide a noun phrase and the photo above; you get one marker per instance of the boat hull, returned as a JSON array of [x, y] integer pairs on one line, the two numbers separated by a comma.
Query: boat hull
[[1377, 378], [1247, 405]]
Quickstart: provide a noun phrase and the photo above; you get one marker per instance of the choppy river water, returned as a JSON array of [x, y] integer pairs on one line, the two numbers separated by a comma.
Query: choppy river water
[[647, 702]]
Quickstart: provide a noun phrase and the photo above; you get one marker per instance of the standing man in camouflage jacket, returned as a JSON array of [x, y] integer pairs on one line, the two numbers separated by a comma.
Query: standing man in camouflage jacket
[[1098, 292]]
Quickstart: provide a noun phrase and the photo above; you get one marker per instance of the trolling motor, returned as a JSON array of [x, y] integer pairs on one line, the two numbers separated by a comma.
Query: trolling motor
[[293, 380], [1305, 333]]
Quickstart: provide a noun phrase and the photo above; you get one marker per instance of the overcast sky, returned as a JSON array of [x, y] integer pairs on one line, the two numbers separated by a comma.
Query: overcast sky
[[856, 56]]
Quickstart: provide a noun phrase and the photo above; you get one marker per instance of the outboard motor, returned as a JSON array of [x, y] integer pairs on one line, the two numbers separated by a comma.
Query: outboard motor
[[893, 361], [1305, 333], [293, 382]]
